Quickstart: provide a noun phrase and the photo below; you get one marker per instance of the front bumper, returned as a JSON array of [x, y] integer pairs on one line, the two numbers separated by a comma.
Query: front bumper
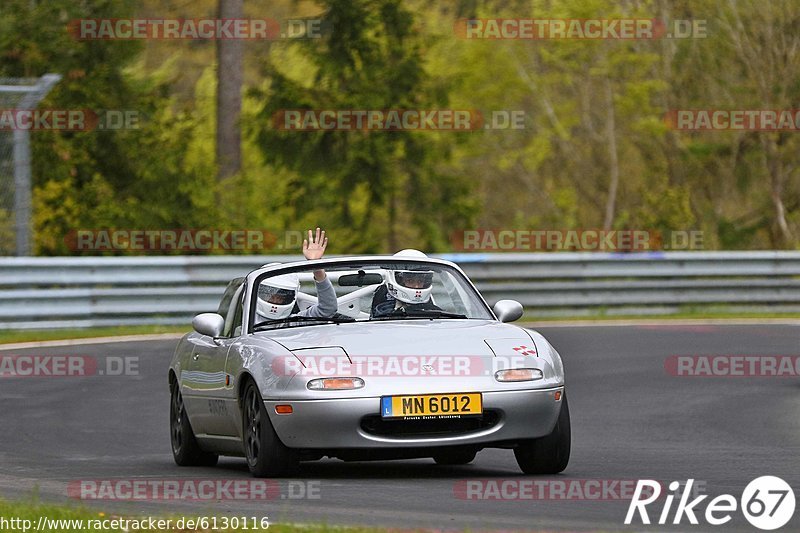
[[336, 423]]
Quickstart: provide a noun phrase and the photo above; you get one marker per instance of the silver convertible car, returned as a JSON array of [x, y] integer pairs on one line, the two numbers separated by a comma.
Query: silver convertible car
[[365, 358]]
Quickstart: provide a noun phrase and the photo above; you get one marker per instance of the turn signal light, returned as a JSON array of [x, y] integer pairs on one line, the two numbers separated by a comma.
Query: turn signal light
[[284, 409], [335, 384], [518, 374]]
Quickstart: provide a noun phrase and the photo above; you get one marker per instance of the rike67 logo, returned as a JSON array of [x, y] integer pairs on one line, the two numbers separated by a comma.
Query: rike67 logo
[[767, 503]]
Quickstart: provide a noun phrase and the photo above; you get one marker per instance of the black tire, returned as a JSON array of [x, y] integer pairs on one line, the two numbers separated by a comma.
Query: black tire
[[266, 455], [185, 449], [455, 457], [548, 454]]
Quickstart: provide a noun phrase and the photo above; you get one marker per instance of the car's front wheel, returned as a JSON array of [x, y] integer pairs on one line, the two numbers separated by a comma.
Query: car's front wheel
[[266, 454], [548, 454], [185, 449]]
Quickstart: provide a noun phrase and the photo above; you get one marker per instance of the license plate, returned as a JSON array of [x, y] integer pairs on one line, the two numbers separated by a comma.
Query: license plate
[[432, 405]]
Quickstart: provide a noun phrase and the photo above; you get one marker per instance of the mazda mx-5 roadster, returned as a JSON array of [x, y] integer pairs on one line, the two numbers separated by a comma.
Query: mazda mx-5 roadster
[[365, 358]]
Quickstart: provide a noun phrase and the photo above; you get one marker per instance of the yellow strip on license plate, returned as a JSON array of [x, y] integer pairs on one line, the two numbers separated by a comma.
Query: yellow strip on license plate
[[434, 405]]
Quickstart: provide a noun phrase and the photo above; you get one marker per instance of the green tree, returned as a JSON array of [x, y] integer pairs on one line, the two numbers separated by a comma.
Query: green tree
[[130, 178], [384, 187]]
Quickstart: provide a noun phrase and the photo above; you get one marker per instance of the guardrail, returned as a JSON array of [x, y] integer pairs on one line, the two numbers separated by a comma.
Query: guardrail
[[97, 291]]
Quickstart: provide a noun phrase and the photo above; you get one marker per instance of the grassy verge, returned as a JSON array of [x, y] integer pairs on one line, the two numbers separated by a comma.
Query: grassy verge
[[93, 520], [30, 335], [710, 315], [681, 312]]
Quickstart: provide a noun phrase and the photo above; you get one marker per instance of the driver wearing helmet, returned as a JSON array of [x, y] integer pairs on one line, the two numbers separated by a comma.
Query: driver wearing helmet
[[277, 296], [405, 290]]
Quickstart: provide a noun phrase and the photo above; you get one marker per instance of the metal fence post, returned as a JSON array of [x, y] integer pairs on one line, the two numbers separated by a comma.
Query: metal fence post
[[31, 96]]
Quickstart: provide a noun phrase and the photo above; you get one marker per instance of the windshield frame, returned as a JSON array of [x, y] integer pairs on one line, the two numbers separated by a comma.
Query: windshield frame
[[255, 277]]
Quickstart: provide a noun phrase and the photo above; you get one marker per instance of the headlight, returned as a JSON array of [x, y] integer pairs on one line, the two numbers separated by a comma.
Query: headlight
[[518, 374], [335, 384]]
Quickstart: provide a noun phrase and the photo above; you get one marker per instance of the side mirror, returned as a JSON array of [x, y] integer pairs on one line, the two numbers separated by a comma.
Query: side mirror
[[507, 310], [210, 324]]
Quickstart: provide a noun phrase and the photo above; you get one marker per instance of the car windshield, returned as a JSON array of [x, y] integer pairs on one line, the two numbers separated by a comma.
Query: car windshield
[[379, 291]]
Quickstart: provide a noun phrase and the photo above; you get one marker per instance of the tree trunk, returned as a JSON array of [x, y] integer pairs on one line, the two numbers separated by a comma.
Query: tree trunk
[[613, 160], [783, 237], [391, 238], [229, 94]]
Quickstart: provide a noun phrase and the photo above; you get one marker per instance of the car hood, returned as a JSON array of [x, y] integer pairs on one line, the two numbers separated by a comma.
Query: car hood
[[409, 337]]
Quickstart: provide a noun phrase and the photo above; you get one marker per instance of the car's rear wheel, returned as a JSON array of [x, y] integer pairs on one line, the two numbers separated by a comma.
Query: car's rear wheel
[[455, 457], [548, 454], [185, 449], [266, 454]]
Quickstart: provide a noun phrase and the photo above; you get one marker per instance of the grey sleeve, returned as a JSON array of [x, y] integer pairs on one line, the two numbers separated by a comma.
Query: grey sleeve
[[326, 305]]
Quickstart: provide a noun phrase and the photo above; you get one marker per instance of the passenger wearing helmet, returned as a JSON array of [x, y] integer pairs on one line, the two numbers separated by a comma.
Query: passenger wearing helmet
[[409, 290], [277, 296]]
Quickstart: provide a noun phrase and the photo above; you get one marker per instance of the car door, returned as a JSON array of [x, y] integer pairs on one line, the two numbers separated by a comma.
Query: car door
[[206, 392], [223, 405]]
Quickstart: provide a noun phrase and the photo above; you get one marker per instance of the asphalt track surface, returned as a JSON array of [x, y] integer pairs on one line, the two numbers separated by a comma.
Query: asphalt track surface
[[630, 420]]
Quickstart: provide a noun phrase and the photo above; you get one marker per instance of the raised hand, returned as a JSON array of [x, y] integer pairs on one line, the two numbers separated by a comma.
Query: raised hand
[[314, 246]]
